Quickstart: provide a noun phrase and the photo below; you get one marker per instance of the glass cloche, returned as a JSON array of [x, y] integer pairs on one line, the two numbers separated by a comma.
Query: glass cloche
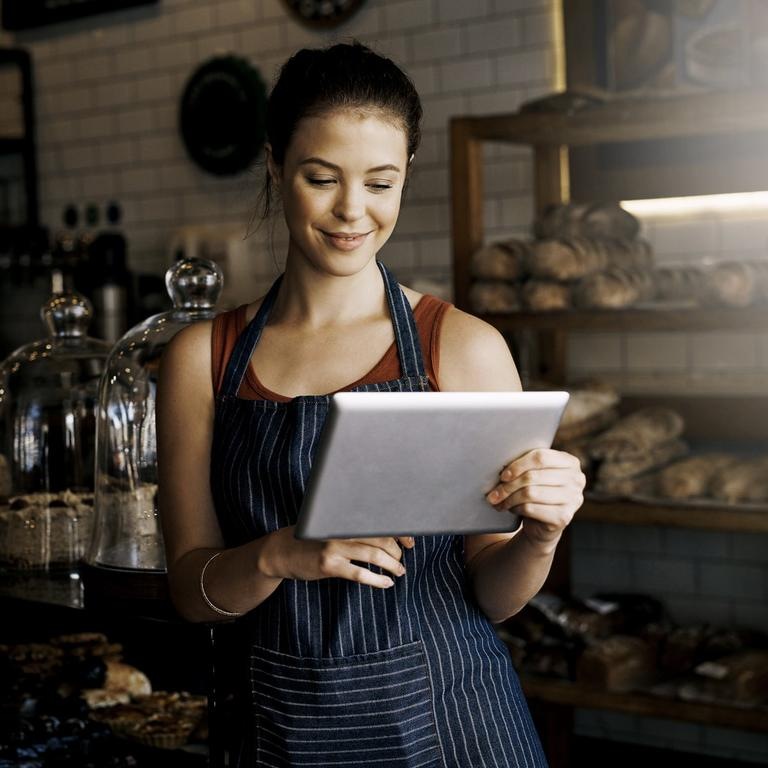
[[48, 405], [127, 533]]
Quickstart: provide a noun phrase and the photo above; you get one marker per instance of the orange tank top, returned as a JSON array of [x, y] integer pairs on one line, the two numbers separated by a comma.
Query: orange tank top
[[428, 314]]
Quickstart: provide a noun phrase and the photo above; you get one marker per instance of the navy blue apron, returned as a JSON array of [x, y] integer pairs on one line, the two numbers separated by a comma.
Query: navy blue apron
[[340, 673]]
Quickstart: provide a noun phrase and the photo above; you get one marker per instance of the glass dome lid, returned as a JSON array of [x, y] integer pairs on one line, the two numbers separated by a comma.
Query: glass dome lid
[[48, 406], [126, 531]]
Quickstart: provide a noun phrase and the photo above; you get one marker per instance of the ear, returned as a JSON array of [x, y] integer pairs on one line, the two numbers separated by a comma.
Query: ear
[[275, 171]]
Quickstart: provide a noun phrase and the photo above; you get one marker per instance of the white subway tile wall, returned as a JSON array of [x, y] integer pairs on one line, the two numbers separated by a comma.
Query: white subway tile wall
[[107, 90]]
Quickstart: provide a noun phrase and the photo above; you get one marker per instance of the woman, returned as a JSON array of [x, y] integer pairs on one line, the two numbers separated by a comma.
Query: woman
[[369, 651]]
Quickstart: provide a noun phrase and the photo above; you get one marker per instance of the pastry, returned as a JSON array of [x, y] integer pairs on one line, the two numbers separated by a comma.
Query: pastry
[[732, 283], [42, 530], [124, 677]]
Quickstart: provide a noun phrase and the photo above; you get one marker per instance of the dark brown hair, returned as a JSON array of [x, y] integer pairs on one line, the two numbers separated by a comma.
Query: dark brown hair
[[343, 76]]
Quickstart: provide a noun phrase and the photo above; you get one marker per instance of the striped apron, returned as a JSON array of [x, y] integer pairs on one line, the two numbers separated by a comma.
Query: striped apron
[[340, 673]]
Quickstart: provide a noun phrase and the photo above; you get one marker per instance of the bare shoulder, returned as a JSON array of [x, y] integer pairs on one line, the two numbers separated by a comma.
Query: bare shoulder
[[187, 358], [474, 356], [414, 297]]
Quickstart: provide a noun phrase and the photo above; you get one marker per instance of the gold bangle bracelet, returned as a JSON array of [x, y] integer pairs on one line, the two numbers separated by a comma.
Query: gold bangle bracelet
[[214, 608]]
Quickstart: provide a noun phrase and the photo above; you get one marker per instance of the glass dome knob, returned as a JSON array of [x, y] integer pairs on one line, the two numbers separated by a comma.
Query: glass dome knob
[[67, 315], [194, 283]]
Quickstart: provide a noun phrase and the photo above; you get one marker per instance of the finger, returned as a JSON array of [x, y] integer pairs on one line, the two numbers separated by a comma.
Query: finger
[[386, 543], [545, 477], [539, 458], [552, 517], [365, 553], [541, 494], [362, 575], [407, 541]]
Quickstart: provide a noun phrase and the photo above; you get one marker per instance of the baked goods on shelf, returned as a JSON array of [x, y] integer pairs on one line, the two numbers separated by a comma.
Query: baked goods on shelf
[[45, 530], [545, 295], [502, 260], [588, 411], [632, 466], [617, 663], [632, 436], [491, 296], [742, 481], [614, 288], [595, 220], [689, 478]]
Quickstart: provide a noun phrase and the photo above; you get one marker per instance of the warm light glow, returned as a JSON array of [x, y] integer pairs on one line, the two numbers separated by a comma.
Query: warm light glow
[[558, 40], [737, 202]]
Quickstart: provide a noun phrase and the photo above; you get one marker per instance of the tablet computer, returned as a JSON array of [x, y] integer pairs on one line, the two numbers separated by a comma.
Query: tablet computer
[[416, 463]]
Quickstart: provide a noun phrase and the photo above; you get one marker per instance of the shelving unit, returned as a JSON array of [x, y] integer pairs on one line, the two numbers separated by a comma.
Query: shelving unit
[[733, 116]]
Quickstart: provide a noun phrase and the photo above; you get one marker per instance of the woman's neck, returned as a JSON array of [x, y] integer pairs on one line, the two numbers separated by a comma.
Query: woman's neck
[[315, 299]]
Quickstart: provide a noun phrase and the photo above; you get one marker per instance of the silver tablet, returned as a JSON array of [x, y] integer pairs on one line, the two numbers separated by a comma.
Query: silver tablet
[[415, 463]]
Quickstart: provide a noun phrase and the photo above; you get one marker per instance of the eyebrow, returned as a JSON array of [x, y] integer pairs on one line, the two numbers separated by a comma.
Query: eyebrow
[[320, 161]]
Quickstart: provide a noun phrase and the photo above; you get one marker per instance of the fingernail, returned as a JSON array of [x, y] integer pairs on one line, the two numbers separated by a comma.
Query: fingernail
[[506, 475], [402, 570], [493, 495], [389, 583]]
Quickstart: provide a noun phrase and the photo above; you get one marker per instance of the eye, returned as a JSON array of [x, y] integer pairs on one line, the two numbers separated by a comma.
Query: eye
[[378, 187], [320, 182]]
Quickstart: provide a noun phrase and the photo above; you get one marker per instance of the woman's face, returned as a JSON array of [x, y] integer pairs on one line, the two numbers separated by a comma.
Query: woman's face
[[341, 185]]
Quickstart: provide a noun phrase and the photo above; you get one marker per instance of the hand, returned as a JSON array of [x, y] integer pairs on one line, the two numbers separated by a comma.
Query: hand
[[545, 487], [285, 556]]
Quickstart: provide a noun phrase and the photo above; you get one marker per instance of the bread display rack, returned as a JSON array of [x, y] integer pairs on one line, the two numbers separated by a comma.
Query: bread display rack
[[733, 116]]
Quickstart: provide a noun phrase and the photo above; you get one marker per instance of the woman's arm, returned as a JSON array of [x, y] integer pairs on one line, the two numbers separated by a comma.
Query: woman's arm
[[235, 581], [543, 486], [240, 578]]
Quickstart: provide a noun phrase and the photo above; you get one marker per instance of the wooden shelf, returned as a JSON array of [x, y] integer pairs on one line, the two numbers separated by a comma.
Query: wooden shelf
[[698, 319], [708, 518], [574, 695], [619, 120]]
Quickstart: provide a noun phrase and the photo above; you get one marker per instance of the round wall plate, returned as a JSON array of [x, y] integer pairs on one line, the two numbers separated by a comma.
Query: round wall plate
[[322, 14], [222, 115]]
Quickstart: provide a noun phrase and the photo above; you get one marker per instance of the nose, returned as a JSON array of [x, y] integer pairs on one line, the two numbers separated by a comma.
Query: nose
[[349, 204]]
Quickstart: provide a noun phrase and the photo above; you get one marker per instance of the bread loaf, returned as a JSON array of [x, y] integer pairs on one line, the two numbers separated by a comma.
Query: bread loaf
[[596, 220], [494, 296], [743, 481], [124, 677], [636, 485], [545, 296], [732, 283], [564, 259], [500, 261], [689, 478], [617, 663], [634, 435], [687, 284], [614, 288], [587, 412], [653, 457]]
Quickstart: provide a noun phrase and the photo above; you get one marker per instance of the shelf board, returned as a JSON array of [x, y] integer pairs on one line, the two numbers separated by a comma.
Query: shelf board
[[708, 518], [575, 695], [724, 113], [695, 319]]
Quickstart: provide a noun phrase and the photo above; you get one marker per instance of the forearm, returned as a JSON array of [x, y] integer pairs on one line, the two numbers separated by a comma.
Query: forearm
[[506, 575], [235, 581]]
